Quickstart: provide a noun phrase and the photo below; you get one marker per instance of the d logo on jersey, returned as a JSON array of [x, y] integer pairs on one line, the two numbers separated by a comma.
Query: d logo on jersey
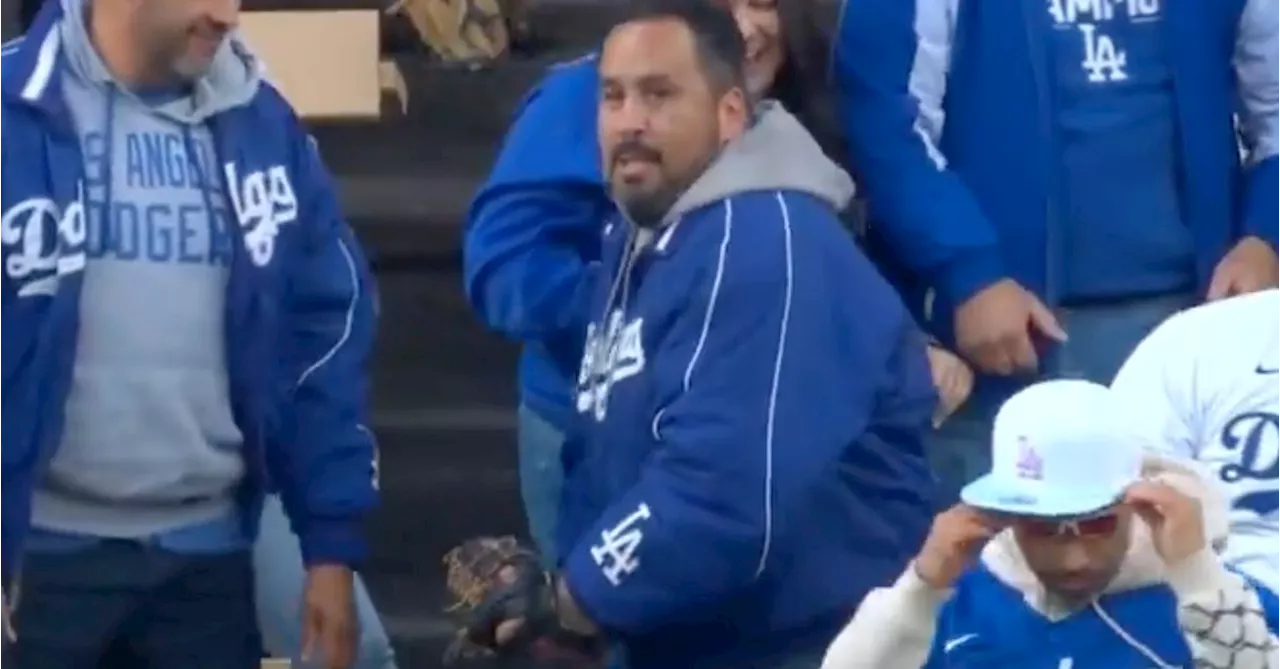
[[1255, 437], [610, 356], [263, 200], [43, 242]]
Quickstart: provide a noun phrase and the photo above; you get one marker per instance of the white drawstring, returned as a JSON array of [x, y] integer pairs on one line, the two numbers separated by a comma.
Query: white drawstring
[[1128, 638]]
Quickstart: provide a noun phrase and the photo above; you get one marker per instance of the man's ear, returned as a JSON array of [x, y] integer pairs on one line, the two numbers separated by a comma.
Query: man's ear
[[734, 113]]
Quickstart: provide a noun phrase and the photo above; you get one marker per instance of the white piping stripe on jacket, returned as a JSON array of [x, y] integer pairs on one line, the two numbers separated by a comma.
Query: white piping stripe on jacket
[[46, 59], [12, 45], [347, 325], [350, 320], [771, 423], [935, 25], [715, 294]]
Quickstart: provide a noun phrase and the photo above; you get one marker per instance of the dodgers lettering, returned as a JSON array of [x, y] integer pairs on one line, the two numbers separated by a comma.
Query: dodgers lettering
[[43, 242], [167, 208], [159, 160], [159, 233], [1253, 436]]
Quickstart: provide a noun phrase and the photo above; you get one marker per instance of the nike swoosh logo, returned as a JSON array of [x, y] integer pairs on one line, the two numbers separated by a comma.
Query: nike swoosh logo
[[1264, 370], [952, 644]]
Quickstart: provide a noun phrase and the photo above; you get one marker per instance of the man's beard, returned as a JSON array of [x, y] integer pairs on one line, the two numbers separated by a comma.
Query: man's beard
[[648, 209]]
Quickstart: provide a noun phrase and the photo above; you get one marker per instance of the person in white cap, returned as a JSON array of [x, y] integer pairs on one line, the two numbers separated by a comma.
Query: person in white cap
[[1206, 384], [1074, 552]]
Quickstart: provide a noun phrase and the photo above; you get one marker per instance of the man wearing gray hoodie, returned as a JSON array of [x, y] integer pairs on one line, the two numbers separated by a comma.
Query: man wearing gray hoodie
[[193, 337]]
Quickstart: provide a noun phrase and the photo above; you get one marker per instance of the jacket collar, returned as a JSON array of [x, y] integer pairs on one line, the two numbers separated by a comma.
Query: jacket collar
[[32, 63]]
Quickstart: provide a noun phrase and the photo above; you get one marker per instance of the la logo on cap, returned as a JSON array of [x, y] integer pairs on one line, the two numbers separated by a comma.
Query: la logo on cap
[[1029, 465]]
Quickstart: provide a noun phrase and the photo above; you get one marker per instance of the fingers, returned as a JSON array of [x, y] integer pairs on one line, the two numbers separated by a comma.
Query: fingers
[[1044, 321], [309, 635], [9, 634], [1221, 285], [977, 523], [1153, 501], [1009, 353], [952, 393], [1151, 493], [953, 380], [507, 631], [1022, 353]]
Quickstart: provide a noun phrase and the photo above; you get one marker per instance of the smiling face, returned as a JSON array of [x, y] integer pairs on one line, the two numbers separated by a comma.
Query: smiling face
[[180, 37], [762, 30]]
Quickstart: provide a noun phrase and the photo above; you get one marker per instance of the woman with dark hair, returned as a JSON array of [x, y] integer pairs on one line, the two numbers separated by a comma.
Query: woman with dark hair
[[788, 59]]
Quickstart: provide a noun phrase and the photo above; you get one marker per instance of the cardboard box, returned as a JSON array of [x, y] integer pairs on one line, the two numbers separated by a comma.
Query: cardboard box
[[324, 62]]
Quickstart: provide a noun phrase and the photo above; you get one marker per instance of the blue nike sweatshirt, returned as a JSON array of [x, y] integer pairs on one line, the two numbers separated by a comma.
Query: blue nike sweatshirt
[[1194, 612], [753, 400], [533, 235]]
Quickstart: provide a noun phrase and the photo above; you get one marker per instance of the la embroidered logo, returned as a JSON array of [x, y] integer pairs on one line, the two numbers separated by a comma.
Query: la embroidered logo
[[1029, 465]]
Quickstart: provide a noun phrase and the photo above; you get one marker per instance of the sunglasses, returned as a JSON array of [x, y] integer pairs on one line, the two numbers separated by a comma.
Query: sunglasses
[[1102, 525]]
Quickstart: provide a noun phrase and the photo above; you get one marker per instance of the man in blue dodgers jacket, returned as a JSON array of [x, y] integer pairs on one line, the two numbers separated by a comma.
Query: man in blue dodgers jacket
[[1099, 559], [753, 394], [186, 320], [1063, 166]]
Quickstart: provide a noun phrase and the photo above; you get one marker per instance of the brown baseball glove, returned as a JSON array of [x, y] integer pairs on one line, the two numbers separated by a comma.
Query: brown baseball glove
[[495, 580]]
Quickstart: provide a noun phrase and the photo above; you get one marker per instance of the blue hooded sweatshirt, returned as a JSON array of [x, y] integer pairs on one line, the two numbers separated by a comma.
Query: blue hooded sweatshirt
[[753, 398], [1087, 150], [1196, 613], [532, 243], [269, 394]]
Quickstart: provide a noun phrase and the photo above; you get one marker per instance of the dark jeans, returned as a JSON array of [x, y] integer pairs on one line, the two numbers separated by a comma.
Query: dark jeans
[[1101, 337], [541, 479], [167, 611]]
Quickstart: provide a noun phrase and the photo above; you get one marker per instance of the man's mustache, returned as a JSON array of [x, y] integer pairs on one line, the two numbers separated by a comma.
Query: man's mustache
[[632, 149]]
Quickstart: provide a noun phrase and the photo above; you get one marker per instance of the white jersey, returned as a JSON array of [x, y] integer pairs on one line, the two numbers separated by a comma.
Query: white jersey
[[1205, 385]]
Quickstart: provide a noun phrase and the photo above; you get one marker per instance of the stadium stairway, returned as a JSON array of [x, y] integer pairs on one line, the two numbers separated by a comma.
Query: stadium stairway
[[444, 388]]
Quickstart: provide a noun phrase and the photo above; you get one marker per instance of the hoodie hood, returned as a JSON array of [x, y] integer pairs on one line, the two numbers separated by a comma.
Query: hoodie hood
[[232, 80], [776, 153], [1142, 566]]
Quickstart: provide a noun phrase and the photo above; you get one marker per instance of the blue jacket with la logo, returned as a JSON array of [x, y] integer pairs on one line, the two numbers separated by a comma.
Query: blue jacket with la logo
[[300, 310], [752, 400]]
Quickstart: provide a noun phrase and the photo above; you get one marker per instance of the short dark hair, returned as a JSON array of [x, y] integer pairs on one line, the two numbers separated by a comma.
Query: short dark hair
[[722, 52]]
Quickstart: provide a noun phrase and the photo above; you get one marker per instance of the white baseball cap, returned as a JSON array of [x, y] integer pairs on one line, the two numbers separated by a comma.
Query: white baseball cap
[[1058, 449]]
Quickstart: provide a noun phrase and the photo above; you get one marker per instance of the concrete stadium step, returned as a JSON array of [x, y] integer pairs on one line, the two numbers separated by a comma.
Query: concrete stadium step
[[448, 111], [405, 181], [442, 482], [433, 352], [440, 486]]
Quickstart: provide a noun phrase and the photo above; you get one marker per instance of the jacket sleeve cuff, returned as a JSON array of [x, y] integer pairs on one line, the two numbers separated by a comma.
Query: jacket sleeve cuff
[[893, 627], [920, 598], [965, 276], [333, 541], [1261, 218], [1196, 576]]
